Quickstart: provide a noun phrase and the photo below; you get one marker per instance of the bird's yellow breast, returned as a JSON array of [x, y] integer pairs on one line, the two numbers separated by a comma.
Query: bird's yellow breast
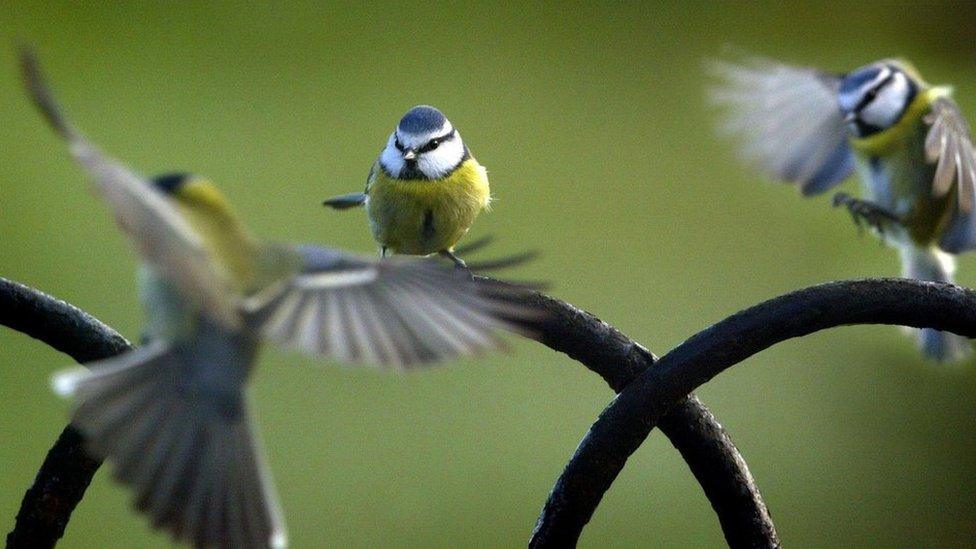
[[421, 217]]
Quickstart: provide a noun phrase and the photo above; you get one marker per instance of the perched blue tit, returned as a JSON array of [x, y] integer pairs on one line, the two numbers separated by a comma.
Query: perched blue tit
[[172, 415], [425, 189], [906, 140]]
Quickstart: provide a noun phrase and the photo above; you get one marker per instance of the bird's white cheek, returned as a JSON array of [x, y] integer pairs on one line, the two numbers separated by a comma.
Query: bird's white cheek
[[885, 109], [880, 114], [440, 161], [392, 161]]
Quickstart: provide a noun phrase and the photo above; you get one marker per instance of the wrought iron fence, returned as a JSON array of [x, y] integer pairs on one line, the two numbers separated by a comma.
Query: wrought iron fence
[[651, 392]]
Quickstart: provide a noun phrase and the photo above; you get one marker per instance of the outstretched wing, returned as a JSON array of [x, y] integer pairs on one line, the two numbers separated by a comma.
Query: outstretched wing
[[397, 311], [162, 237], [788, 119], [949, 146]]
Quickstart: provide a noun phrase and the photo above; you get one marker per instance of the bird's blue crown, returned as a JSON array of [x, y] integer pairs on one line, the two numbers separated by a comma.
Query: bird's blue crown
[[422, 119], [855, 85]]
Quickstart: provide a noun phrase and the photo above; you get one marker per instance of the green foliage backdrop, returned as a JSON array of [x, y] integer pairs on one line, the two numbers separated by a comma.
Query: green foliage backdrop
[[591, 120]]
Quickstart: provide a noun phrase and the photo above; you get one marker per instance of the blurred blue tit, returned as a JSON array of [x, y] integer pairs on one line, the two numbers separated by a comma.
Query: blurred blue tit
[[425, 189], [906, 140], [173, 415]]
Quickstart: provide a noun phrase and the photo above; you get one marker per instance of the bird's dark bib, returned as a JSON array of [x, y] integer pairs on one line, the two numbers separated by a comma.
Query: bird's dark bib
[[411, 171]]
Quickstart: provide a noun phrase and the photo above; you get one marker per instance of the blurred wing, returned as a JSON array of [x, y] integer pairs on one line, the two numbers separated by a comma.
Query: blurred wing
[[399, 312], [161, 235], [788, 119], [949, 146]]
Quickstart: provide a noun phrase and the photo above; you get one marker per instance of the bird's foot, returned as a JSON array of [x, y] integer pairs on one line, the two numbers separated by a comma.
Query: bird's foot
[[459, 263], [866, 213]]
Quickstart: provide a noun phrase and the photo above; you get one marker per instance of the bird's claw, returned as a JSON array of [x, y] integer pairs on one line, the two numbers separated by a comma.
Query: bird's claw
[[864, 213], [459, 264]]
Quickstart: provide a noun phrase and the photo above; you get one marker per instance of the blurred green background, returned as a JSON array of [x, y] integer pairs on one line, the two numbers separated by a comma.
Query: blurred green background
[[592, 122]]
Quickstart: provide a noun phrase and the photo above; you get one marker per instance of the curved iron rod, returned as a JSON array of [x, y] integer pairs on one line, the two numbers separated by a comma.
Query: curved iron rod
[[627, 420], [692, 429], [67, 469]]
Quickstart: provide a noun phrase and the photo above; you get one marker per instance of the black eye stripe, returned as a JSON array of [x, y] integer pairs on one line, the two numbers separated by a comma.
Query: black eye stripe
[[437, 141], [863, 128], [873, 92], [429, 146]]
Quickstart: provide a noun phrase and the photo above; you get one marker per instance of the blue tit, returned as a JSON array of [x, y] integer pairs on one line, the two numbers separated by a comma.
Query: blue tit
[[906, 140], [173, 415], [425, 189]]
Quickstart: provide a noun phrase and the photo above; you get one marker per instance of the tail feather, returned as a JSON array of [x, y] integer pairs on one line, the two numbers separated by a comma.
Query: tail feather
[[197, 519], [109, 410], [190, 455], [141, 444], [936, 266], [178, 463], [216, 515], [346, 201], [943, 346], [133, 420]]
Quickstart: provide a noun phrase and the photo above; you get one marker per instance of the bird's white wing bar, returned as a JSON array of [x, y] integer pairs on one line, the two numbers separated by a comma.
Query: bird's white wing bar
[[399, 312], [160, 234], [788, 119], [337, 280]]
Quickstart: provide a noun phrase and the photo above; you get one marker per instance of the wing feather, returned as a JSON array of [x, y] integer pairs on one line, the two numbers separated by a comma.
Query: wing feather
[[398, 312], [466, 319], [411, 348], [788, 120], [159, 233], [949, 146], [378, 334]]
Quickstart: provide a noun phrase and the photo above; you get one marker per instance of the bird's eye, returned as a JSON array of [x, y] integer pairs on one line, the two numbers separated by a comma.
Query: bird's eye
[[431, 145]]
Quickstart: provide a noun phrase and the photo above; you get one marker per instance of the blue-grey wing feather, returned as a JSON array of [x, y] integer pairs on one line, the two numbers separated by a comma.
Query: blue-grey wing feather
[[788, 120], [396, 311]]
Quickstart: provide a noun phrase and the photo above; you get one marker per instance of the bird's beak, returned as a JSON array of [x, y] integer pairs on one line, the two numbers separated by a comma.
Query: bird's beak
[[851, 117], [409, 154]]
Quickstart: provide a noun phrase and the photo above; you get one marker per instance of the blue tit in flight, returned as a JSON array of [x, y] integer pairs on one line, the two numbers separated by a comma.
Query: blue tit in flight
[[425, 189], [906, 140], [173, 415]]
